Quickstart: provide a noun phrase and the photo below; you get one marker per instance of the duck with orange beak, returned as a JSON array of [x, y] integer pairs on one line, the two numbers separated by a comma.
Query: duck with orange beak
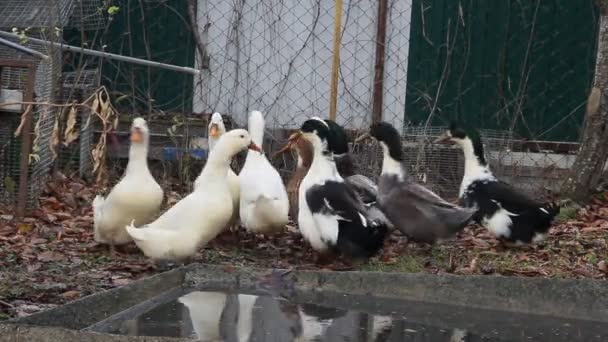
[[303, 150], [137, 197], [215, 130], [199, 217], [331, 215]]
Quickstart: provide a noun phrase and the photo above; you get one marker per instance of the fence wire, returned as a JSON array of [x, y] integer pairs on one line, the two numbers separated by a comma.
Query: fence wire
[[518, 71], [277, 57]]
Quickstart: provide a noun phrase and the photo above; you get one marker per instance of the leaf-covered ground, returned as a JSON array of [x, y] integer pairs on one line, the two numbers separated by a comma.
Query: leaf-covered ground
[[51, 258]]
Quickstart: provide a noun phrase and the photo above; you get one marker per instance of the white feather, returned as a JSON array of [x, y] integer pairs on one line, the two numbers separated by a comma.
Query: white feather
[[136, 197], [500, 223], [200, 216], [264, 205], [539, 237], [233, 179], [473, 170]]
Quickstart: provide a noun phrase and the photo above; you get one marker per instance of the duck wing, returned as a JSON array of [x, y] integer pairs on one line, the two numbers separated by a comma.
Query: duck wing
[[342, 218], [509, 198], [365, 187], [419, 212]]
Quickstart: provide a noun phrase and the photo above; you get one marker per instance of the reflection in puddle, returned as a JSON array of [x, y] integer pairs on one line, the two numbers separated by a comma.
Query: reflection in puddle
[[230, 317]]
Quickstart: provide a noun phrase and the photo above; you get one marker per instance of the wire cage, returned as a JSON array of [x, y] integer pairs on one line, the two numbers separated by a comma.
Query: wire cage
[[88, 15], [44, 20], [15, 79]]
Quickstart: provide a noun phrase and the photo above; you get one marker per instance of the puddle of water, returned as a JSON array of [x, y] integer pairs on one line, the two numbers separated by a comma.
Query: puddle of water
[[247, 317]]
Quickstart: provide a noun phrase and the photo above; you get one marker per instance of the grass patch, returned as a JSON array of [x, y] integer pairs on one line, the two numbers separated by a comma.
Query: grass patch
[[566, 213], [403, 263]]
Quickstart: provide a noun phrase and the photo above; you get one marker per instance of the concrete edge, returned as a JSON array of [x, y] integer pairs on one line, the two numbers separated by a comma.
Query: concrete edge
[[101, 305], [566, 298], [24, 333]]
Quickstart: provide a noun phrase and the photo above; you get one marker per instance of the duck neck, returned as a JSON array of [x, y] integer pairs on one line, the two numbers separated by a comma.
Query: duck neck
[[217, 164], [212, 143], [474, 160], [323, 164], [345, 165], [391, 162], [305, 153], [138, 158], [256, 129]]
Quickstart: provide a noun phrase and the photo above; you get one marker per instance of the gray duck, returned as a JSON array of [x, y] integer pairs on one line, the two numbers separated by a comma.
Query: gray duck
[[413, 209]]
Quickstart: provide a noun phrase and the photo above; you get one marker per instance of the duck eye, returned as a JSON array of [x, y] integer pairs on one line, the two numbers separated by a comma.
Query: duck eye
[[242, 136]]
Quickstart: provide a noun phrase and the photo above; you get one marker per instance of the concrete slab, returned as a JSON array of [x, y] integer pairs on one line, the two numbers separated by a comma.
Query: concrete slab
[[584, 302]]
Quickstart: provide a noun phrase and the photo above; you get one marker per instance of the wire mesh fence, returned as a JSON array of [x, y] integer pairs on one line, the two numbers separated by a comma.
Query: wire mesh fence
[[277, 57], [16, 79], [512, 69]]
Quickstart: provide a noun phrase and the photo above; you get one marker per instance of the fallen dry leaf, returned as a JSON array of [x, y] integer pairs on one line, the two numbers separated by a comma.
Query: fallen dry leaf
[[50, 256], [24, 228], [71, 294]]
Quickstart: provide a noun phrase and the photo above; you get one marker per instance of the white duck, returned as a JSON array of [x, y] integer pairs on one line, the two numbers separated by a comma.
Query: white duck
[[264, 206], [137, 197], [215, 130], [200, 216], [205, 310]]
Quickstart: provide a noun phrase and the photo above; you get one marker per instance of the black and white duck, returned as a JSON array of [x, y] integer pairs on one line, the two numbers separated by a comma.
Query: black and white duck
[[504, 211], [331, 216], [365, 188], [413, 209]]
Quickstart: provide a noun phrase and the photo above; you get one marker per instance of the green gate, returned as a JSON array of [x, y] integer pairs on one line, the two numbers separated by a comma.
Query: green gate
[[490, 62]]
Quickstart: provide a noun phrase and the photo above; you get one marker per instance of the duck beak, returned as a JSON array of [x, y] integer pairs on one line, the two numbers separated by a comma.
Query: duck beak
[[214, 131], [292, 140], [253, 146], [362, 138], [443, 139], [137, 135]]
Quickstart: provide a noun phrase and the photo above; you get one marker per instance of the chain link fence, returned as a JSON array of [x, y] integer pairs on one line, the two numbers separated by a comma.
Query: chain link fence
[[518, 71], [277, 57]]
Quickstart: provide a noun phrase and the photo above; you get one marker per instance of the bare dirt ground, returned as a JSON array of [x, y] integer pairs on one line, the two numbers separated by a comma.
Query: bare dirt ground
[[51, 258]]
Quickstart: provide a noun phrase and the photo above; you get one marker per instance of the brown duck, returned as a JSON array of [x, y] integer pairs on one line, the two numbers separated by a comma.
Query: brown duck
[[303, 149]]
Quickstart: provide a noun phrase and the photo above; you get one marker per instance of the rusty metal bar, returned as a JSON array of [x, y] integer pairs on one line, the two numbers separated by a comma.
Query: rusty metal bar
[[378, 95], [23, 49], [107, 55], [26, 144], [335, 65]]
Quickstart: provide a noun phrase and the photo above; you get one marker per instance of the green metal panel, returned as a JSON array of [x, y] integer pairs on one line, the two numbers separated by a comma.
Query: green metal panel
[[500, 60], [163, 27]]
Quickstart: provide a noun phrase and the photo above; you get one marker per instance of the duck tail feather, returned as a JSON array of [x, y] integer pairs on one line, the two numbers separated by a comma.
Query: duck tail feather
[[98, 203], [137, 234], [550, 209]]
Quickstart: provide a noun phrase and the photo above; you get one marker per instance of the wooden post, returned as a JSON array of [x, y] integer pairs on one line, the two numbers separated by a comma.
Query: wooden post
[[335, 68], [378, 96], [26, 144]]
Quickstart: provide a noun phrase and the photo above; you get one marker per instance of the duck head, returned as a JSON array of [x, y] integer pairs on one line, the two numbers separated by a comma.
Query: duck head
[[468, 140], [389, 138], [302, 147], [215, 129], [140, 134], [322, 136], [234, 142]]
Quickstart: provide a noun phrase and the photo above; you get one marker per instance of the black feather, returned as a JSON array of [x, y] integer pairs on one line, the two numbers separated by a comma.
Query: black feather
[[358, 236], [528, 219], [460, 133], [387, 134]]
